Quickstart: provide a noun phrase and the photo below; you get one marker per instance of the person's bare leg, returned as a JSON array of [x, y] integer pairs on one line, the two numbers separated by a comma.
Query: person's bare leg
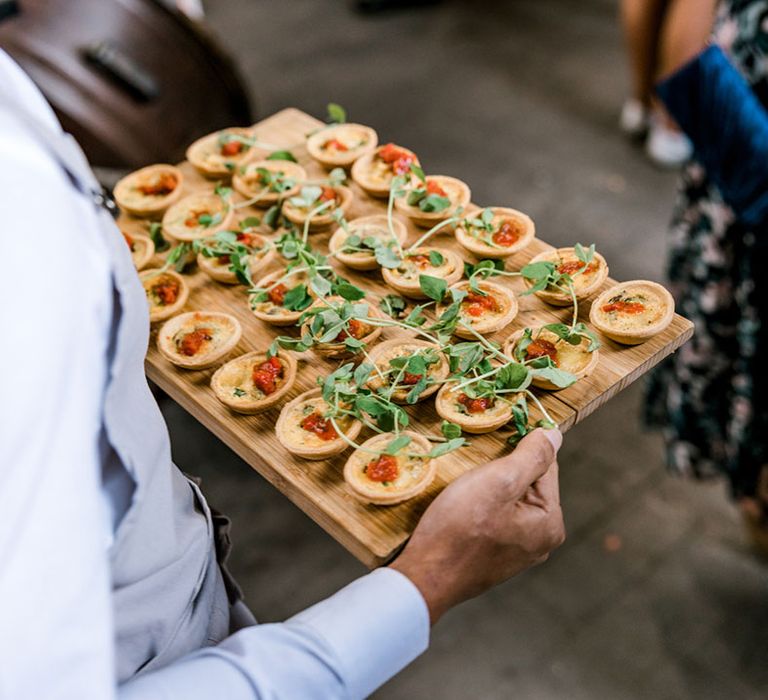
[[642, 21]]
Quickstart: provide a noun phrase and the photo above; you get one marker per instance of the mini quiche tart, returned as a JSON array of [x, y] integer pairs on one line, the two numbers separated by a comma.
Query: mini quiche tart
[[197, 216], [150, 191], [166, 291], [219, 154], [270, 306], [574, 359], [383, 479], [427, 204], [265, 182], [253, 382], [390, 374], [374, 172], [632, 312], [587, 278], [198, 339], [499, 233], [305, 427], [435, 262], [494, 308], [261, 255], [355, 246], [341, 145], [357, 328], [474, 415], [142, 249], [297, 209]]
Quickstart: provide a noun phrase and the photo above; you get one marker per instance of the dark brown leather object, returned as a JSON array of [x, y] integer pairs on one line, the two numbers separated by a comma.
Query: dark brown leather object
[[132, 80]]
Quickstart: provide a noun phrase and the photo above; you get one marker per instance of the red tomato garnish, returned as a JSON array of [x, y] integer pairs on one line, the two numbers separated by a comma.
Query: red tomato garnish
[[542, 348], [223, 259], [624, 307], [475, 405], [248, 239], [420, 260], [322, 427], [508, 234], [191, 343], [277, 294], [266, 374], [383, 468], [163, 185], [397, 158], [167, 291], [411, 379], [231, 148], [128, 240], [476, 304], [194, 218], [568, 268], [329, 195], [334, 144], [356, 329], [434, 188]]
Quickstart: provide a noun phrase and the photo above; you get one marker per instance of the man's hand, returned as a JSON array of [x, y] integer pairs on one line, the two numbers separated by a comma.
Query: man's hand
[[487, 526]]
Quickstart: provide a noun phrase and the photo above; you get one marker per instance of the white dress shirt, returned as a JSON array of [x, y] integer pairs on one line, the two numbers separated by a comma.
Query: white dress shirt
[[55, 607]]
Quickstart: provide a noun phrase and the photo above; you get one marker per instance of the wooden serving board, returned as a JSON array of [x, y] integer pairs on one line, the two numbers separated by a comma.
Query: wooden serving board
[[373, 534]]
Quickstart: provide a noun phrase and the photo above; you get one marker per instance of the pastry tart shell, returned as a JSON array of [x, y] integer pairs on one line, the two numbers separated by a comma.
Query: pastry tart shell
[[339, 350], [411, 288], [161, 313], [361, 175], [224, 378], [477, 424], [559, 299], [331, 448], [288, 318], [363, 490], [171, 327], [438, 372], [152, 206], [173, 226], [483, 251], [222, 273], [491, 324], [634, 337], [429, 219], [196, 154], [322, 220], [340, 159], [363, 261], [244, 188], [144, 250]]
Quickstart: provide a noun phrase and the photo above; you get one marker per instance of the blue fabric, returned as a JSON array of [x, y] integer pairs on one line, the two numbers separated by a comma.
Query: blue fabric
[[728, 126]]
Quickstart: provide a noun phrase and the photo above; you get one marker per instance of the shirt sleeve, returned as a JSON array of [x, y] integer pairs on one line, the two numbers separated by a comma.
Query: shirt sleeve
[[344, 647]]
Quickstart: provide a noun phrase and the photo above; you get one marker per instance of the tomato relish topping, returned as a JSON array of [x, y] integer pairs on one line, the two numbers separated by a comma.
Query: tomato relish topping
[[508, 233], [193, 218], [542, 348], [420, 260], [167, 291], [232, 148], [397, 158], [266, 374], [190, 343], [434, 188], [164, 184], [329, 195], [335, 144], [355, 329], [411, 379], [249, 239], [623, 307], [322, 427], [383, 469], [476, 305], [277, 294], [223, 259], [568, 268], [131, 243], [475, 405]]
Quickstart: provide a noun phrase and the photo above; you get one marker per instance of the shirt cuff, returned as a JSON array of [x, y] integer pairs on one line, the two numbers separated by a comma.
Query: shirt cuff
[[376, 625]]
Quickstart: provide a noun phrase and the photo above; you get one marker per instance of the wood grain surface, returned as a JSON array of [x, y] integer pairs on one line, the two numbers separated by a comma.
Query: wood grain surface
[[373, 534]]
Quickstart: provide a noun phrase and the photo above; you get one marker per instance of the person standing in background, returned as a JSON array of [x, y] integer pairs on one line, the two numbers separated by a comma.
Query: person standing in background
[[711, 397], [661, 35]]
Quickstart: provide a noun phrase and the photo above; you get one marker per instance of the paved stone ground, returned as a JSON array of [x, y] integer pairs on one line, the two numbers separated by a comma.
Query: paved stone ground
[[520, 99]]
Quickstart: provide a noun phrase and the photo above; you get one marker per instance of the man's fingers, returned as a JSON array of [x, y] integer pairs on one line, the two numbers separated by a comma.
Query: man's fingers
[[530, 460], [549, 485]]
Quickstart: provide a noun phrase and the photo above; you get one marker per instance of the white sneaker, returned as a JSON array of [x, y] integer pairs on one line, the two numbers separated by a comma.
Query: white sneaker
[[634, 119], [667, 148]]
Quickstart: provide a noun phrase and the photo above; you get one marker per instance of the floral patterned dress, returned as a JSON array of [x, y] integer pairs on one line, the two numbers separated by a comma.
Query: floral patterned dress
[[711, 398]]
